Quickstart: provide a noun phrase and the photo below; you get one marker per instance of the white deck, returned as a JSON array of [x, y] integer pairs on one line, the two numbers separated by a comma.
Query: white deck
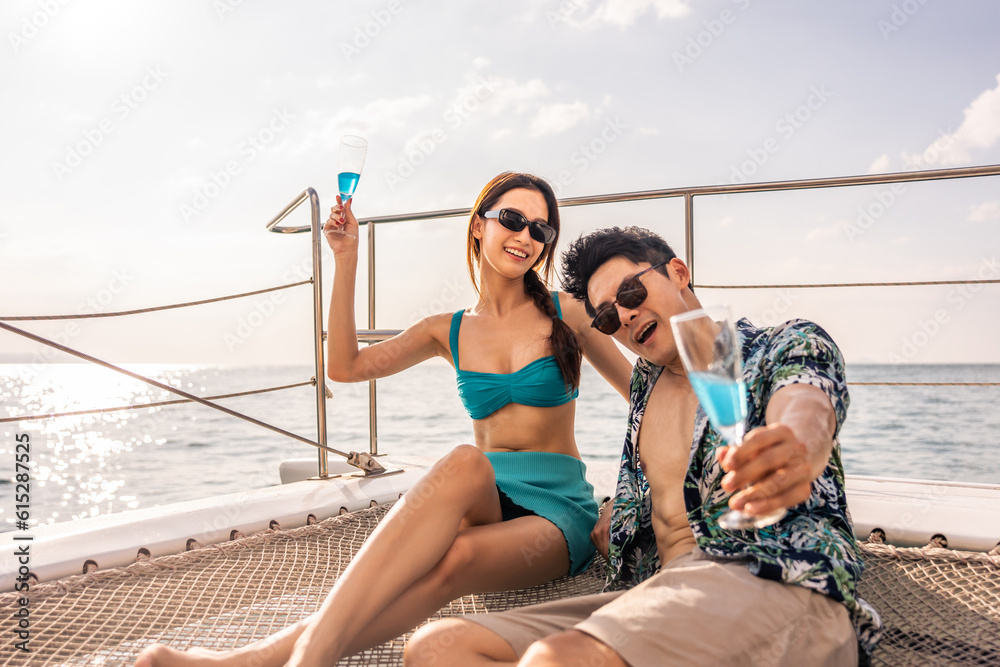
[[62, 549], [910, 512]]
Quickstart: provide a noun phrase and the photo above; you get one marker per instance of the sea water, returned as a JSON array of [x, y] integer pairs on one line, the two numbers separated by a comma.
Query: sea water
[[348, 181], [99, 464]]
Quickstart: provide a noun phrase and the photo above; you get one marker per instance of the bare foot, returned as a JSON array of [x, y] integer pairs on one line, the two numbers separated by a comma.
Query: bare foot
[[160, 655]]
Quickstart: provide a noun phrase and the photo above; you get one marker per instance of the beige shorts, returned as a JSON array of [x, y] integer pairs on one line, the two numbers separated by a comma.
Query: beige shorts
[[696, 611]]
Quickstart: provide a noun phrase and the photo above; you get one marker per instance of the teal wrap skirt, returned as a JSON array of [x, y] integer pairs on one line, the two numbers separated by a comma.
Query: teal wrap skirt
[[555, 487]]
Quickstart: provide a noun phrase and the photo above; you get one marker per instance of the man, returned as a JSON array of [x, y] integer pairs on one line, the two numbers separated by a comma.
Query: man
[[681, 589]]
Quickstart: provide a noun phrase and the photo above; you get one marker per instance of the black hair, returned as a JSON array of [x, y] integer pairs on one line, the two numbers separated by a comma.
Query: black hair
[[588, 253]]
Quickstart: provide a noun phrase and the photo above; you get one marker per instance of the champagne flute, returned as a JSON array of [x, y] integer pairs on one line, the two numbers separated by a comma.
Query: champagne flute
[[352, 159], [710, 350]]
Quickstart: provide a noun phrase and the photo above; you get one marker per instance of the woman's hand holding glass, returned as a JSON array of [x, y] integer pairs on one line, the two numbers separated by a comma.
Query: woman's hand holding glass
[[341, 228]]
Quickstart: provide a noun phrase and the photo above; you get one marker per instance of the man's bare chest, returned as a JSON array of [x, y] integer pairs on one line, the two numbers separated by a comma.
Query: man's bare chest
[[665, 433]]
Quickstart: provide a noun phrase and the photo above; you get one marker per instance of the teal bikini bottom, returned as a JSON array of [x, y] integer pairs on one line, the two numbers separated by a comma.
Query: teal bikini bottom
[[555, 487]]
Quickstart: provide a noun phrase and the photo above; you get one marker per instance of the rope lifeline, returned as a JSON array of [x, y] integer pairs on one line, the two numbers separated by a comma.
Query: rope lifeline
[[157, 404], [166, 387], [928, 384], [153, 309], [910, 284]]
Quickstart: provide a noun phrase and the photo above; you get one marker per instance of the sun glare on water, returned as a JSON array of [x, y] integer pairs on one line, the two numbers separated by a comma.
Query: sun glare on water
[[77, 459]]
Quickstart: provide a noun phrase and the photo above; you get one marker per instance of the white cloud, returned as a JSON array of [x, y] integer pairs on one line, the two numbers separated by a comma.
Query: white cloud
[[671, 9], [823, 233], [509, 93], [376, 117], [986, 211], [880, 165], [381, 113], [623, 13], [330, 81], [558, 117], [980, 129], [502, 133]]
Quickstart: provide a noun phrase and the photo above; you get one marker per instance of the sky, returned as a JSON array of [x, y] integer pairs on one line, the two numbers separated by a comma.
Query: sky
[[147, 144]]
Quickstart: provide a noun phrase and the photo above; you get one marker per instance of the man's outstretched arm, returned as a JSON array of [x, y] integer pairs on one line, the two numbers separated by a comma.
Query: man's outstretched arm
[[779, 462]]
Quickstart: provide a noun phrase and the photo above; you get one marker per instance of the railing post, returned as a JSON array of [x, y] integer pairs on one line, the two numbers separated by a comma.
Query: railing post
[[689, 232], [317, 280], [372, 399]]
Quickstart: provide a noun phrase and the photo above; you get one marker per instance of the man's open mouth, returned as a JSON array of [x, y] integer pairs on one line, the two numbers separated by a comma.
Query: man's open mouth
[[646, 332]]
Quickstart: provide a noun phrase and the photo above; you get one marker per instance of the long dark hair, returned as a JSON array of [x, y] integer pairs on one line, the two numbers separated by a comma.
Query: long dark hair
[[562, 340]]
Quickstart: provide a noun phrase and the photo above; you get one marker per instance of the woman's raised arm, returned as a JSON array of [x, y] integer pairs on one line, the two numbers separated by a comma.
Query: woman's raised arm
[[346, 362]]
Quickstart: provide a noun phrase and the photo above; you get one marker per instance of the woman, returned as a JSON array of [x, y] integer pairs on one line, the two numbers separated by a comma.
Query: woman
[[513, 511]]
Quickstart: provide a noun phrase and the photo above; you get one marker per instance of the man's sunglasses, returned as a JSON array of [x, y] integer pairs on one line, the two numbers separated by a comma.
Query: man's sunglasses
[[631, 294], [515, 222]]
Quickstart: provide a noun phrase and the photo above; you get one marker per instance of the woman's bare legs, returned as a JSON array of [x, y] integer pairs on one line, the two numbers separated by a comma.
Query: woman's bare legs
[[443, 539], [495, 557]]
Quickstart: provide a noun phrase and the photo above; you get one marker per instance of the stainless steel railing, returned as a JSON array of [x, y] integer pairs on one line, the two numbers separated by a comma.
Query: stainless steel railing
[[373, 335], [317, 284]]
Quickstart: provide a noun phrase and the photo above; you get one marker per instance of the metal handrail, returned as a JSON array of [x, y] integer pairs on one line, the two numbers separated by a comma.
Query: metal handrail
[[362, 461], [373, 335], [377, 335], [372, 396], [689, 193], [767, 186], [309, 194]]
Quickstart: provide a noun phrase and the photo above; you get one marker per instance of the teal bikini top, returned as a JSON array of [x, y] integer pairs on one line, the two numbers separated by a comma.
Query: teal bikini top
[[539, 384]]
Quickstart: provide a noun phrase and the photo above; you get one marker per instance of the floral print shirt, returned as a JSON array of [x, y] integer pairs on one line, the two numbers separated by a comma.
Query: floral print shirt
[[814, 545]]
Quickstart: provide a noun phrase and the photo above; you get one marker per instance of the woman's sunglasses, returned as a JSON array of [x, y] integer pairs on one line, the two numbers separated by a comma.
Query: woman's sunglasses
[[631, 294], [515, 222]]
